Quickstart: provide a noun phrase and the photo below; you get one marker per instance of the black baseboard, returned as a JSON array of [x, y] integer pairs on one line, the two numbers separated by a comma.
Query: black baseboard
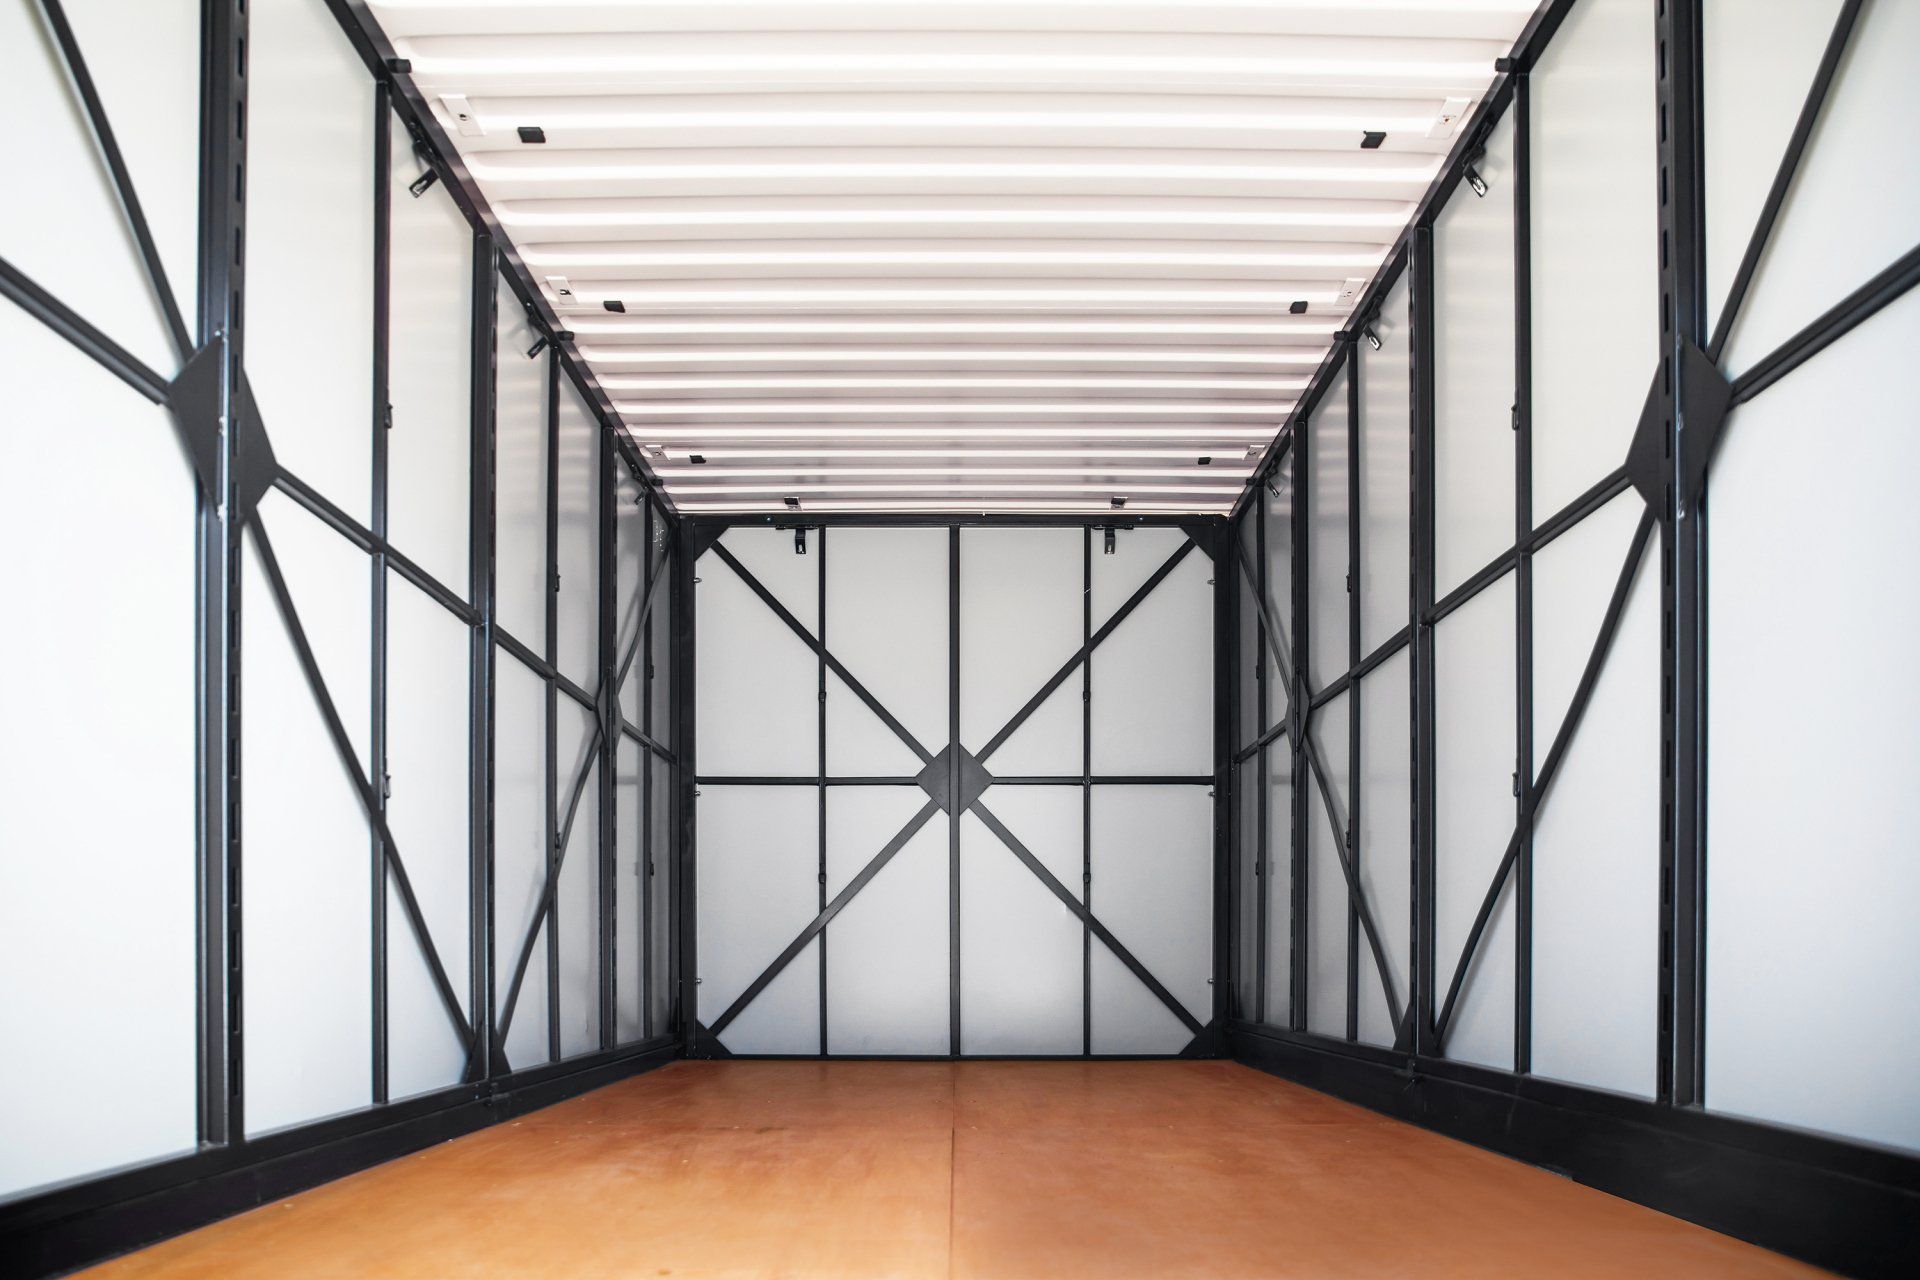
[[1850, 1207], [85, 1222]]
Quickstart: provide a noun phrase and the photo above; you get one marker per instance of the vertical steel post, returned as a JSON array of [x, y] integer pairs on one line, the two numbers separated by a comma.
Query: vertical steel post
[[1523, 576], [220, 289], [1354, 788], [1263, 684], [1086, 791], [686, 826], [1420, 301], [480, 584], [382, 421], [953, 789], [1226, 666], [550, 650], [607, 644], [820, 780], [1683, 773]]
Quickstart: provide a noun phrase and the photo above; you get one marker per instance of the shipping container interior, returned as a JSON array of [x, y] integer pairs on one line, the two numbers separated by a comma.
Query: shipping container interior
[[1088, 625]]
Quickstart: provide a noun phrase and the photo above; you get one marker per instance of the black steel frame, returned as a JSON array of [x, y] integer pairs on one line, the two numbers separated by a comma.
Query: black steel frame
[[220, 430], [1840, 1203], [1206, 535]]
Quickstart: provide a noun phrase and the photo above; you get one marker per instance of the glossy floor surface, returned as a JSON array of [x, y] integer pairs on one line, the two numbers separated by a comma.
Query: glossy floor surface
[[978, 1169]]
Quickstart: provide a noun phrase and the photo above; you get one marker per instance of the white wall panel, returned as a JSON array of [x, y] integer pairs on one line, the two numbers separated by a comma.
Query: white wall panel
[[1474, 816], [1473, 364], [660, 695], [887, 622], [665, 872], [1020, 621], [520, 444], [1595, 241], [1812, 884], [520, 851], [629, 872], [429, 372], [1386, 479], [1153, 889], [887, 962], [1153, 675], [78, 897], [309, 247], [427, 717], [632, 561], [1386, 837], [1596, 846], [1327, 543], [306, 894], [757, 682], [1021, 980], [1279, 883], [1757, 61], [579, 897], [1247, 888], [1853, 207], [577, 621], [1327, 895], [758, 867], [1276, 495], [1251, 654], [64, 229]]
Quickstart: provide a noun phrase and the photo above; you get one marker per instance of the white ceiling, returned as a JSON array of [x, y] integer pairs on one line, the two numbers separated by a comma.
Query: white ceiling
[[979, 255]]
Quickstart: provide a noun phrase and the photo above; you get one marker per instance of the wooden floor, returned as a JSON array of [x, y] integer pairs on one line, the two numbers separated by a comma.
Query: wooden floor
[[979, 1169]]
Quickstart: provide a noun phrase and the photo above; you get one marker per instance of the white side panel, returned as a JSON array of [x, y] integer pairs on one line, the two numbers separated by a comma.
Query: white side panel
[[427, 715], [629, 872], [1596, 844], [521, 584], [308, 1007], [1386, 472], [631, 563], [1474, 817], [309, 247], [757, 683], [63, 229], [887, 622], [1153, 888], [1247, 889], [1326, 883], [78, 898], [579, 898], [1153, 675], [1277, 497], [1473, 363], [1386, 837], [1020, 620], [1854, 207], [1812, 883], [1279, 884], [1595, 242], [1021, 983], [1327, 560], [576, 637], [661, 968], [519, 851], [1758, 58], [430, 315], [759, 863], [887, 971], [660, 694]]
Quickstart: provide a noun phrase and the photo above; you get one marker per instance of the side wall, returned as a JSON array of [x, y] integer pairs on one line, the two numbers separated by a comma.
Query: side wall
[[339, 769], [1501, 864]]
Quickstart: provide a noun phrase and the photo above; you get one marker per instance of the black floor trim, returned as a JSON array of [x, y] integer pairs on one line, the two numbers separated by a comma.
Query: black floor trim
[[87, 1222], [1850, 1207]]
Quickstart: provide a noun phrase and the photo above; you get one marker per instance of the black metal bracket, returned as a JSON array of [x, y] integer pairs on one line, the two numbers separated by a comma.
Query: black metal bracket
[[1705, 398], [955, 778], [194, 398]]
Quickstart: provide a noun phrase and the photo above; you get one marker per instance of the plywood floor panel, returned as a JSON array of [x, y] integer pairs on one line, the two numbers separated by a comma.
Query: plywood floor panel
[[981, 1170]]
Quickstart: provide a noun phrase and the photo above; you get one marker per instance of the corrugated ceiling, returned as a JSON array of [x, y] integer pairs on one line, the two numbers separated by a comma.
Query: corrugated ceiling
[[988, 255]]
